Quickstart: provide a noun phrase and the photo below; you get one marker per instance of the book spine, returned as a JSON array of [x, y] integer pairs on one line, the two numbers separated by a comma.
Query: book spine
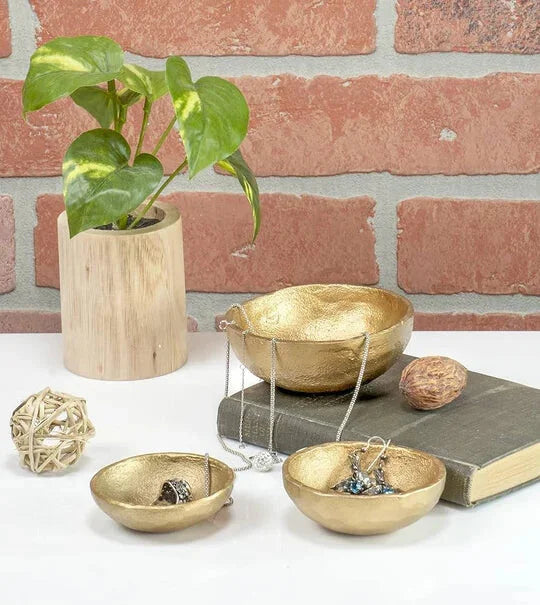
[[292, 433]]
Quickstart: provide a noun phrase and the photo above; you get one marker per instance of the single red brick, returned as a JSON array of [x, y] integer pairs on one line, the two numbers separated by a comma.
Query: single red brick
[[22, 321], [159, 28], [506, 26], [399, 124], [476, 322], [35, 147], [5, 30], [487, 246], [48, 207], [7, 245], [304, 239]]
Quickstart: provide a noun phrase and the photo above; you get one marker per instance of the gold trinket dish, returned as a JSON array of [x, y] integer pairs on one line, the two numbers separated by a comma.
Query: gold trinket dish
[[319, 331], [310, 474], [127, 490]]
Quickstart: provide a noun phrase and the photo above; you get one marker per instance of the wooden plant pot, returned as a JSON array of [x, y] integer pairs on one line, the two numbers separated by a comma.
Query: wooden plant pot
[[123, 299]]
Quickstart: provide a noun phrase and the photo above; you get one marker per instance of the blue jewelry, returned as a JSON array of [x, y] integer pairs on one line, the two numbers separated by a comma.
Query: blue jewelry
[[361, 483]]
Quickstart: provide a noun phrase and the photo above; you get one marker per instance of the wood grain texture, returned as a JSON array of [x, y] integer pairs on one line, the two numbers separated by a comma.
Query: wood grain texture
[[123, 299]]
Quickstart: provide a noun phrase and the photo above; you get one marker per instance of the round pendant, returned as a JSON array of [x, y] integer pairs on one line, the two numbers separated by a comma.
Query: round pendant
[[262, 462]]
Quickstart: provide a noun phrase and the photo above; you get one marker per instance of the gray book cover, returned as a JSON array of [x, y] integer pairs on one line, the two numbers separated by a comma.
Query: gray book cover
[[491, 419]]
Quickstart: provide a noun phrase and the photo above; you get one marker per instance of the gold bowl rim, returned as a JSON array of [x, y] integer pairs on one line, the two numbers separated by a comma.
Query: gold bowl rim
[[441, 476], [408, 315], [150, 507]]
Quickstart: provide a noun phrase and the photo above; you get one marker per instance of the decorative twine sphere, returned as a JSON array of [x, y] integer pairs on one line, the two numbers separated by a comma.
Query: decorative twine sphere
[[50, 430]]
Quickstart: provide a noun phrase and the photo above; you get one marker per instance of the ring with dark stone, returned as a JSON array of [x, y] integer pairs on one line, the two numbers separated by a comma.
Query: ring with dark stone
[[174, 491]]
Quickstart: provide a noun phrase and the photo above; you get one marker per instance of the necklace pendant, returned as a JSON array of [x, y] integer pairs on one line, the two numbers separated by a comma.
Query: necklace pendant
[[262, 462]]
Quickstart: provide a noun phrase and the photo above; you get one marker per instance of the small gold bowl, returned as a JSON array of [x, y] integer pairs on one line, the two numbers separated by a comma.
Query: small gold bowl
[[319, 329], [126, 490], [310, 473]]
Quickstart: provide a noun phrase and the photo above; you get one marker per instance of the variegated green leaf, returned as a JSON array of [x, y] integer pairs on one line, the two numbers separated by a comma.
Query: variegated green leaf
[[150, 84], [63, 65], [212, 115], [98, 103], [236, 165], [99, 184]]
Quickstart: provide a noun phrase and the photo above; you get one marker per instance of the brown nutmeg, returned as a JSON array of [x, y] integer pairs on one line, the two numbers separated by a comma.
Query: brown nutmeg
[[429, 383]]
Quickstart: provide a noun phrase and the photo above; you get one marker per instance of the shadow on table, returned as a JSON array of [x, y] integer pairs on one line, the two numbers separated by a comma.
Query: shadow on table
[[430, 525]]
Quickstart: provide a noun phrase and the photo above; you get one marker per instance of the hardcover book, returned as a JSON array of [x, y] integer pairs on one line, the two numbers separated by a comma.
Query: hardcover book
[[488, 438]]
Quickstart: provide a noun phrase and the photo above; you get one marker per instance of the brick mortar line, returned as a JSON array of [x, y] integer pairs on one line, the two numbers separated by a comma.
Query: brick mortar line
[[504, 186], [384, 61]]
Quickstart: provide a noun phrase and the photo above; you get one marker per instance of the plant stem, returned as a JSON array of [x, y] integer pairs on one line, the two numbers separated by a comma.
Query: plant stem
[[146, 114], [121, 223], [111, 87], [122, 115], [157, 194], [164, 136]]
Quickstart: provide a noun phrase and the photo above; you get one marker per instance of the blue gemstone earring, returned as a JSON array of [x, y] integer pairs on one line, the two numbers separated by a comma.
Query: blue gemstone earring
[[360, 483]]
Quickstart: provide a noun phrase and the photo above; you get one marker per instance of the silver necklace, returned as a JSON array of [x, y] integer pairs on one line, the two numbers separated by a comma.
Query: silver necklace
[[263, 461]]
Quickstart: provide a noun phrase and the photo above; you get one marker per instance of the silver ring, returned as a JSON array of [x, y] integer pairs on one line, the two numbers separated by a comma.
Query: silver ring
[[174, 491]]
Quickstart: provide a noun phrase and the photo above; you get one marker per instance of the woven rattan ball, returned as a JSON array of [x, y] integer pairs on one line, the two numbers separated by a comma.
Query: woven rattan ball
[[50, 430]]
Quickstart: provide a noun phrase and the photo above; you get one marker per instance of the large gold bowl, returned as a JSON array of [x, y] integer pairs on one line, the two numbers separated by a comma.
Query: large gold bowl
[[127, 489], [320, 329], [310, 473]]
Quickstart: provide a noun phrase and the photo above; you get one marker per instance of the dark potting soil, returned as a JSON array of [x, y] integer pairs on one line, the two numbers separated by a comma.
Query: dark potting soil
[[144, 222]]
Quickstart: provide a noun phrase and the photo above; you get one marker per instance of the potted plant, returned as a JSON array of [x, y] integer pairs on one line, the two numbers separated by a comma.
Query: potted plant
[[121, 258]]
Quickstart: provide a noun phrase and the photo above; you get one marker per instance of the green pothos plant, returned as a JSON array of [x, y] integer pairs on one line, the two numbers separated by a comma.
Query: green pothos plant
[[104, 180]]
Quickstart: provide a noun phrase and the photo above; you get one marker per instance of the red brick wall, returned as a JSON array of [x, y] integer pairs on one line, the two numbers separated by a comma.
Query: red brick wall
[[379, 163]]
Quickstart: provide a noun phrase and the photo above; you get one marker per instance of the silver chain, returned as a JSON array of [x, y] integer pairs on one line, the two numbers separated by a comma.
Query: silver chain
[[208, 480], [242, 398], [272, 396], [227, 366], [206, 475], [245, 316], [247, 461], [273, 350], [356, 388], [248, 464]]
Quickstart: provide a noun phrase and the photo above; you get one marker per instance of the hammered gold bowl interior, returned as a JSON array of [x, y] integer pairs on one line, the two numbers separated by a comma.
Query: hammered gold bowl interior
[[310, 473], [320, 329], [127, 489]]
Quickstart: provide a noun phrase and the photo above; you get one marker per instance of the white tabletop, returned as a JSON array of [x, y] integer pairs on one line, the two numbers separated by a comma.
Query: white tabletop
[[57, 547]]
